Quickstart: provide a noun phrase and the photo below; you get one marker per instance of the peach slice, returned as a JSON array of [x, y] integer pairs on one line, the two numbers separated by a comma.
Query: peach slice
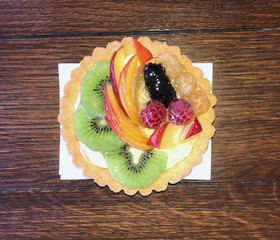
[[123, 135], [143, 53], [137, 89], [156, 138], [174, 134], [135, 79], [126, 77], [112, 73], [116, 111], [169, 135], [127, 130], [116, 65], [195, 128]]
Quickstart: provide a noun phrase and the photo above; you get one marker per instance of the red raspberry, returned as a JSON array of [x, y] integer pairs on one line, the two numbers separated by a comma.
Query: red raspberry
[[153, 114], [180, 112]]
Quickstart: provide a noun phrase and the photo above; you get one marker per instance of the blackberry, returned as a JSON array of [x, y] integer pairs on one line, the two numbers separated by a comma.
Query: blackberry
[[158, 84]]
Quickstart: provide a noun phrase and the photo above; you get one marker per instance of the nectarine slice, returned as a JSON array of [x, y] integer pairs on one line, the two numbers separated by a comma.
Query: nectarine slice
[[143, 53], [126, 77]]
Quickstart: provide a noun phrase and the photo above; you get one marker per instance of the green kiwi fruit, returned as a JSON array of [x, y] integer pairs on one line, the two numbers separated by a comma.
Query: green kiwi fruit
[[95, 132], [92, 88], [134, 168]]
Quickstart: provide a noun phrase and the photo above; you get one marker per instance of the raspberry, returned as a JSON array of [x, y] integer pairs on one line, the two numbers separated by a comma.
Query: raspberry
[[180, 112], [153, 114]]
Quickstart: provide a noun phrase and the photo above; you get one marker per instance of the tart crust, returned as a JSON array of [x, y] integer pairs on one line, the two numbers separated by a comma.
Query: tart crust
[[102, 175]]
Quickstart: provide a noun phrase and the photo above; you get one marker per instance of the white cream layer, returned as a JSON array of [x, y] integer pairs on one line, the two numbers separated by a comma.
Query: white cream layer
[[175, 154]]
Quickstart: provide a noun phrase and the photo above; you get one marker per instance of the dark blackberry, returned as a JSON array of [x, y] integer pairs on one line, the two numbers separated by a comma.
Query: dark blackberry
[[158, 84]]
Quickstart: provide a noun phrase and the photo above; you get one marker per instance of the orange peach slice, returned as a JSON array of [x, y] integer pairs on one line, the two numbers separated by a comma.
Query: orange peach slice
[[156, 138], [195, 128], [143, 53], [174, 134], [127, 130], [118, 113], [122, 133], [116, 65], [126, 77]]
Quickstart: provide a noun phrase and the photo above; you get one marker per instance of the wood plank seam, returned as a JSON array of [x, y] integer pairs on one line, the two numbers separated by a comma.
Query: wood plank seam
[[132, 33]]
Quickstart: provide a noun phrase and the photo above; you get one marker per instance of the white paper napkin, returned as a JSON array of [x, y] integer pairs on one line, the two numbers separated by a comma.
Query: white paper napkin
[[68, 171]]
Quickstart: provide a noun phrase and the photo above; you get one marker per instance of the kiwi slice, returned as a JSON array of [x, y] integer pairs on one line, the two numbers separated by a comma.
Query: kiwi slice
[[134, 168], [92, 88], [95, 132]]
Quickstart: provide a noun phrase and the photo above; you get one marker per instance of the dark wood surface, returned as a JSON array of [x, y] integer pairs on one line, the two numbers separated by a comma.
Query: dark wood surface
[[241, 38]]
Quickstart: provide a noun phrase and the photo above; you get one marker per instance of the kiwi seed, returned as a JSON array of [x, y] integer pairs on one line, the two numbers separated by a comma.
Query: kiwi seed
[[135, 168]]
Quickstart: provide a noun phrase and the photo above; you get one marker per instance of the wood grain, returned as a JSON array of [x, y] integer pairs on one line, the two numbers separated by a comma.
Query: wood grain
[[107, 17], [238, 211], [241, 201], [246, 84]]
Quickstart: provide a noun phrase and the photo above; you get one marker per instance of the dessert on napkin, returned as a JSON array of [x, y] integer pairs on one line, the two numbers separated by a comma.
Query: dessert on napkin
[[144, 108]]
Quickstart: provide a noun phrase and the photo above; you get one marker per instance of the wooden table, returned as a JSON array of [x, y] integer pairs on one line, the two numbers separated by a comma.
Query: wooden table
[[240, 38]]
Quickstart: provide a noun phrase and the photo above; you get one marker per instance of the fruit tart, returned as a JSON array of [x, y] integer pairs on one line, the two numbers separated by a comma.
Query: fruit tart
[[137, 115]]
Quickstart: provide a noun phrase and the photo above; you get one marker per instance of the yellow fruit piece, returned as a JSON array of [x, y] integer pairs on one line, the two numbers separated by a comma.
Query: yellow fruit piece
[[173, 67], [185, 84], [199, 102], [174, 135]]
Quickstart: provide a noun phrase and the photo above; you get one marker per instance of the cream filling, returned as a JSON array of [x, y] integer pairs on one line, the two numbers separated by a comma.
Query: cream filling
[[175, 154]]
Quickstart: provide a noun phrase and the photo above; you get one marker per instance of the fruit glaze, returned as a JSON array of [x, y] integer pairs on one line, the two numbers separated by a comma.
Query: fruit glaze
[[143, 109]]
